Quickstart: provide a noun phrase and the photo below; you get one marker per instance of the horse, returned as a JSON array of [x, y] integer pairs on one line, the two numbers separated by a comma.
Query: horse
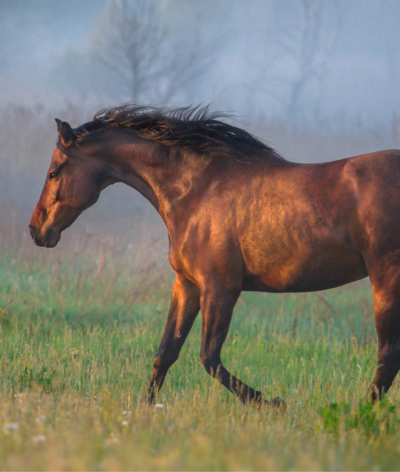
[[239, 217]]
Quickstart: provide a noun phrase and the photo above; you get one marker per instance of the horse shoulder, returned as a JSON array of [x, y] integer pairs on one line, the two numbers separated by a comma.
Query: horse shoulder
[[204, 247]]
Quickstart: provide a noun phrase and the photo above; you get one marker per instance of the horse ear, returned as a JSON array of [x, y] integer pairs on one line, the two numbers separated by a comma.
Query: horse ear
[[65, 132]]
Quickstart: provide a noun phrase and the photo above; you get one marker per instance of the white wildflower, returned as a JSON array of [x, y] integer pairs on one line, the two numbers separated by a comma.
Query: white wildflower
[[40, 438], [10, 427], [158, 405]]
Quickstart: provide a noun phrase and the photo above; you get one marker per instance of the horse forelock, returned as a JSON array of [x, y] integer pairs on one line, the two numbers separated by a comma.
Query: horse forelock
[[192, 128]]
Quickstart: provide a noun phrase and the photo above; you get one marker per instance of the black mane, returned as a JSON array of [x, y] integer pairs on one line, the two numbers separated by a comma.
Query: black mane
[[192, 128]]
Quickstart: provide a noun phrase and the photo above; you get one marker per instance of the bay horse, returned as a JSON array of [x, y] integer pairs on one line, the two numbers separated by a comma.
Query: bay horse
[[239, 217]]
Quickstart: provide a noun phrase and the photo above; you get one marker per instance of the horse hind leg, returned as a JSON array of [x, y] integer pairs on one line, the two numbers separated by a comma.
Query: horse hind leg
[[216, 309], [387, 322]]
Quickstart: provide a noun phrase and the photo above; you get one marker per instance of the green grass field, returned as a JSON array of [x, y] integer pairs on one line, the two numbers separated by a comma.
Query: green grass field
[[80, 326]]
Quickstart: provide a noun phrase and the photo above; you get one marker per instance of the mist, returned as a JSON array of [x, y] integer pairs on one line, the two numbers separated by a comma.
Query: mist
[[317, 80], [47, 54]]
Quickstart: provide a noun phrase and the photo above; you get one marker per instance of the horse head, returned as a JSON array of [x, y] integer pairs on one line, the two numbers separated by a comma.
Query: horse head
[[72, 185]]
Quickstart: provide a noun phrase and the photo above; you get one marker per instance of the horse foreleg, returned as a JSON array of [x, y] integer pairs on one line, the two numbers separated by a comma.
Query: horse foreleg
[[184, 307], [387, 322], [216, 310]]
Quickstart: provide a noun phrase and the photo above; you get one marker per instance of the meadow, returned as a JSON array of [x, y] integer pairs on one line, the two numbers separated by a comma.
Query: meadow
[[80, 326], [79, 329]]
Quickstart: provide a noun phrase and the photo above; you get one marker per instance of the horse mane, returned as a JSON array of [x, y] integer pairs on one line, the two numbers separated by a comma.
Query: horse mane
[[192, 128]]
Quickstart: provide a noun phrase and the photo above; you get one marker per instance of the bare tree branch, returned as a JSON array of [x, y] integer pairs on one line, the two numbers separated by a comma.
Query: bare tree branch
[[131, 41], [305, 46]]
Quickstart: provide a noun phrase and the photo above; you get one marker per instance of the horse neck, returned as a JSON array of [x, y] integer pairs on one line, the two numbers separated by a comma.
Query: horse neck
[[163, 175]]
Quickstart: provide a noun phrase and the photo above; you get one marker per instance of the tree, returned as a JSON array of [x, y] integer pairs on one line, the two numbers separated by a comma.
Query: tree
[[132, 41], [298, 40], [314, 49]]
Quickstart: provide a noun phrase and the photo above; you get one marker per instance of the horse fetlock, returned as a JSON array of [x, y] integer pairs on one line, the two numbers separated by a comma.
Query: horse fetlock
[[151, 394], [374, 394], [212, 367]]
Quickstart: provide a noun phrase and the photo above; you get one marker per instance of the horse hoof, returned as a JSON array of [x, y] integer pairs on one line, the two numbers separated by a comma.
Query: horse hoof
[[278, 404]]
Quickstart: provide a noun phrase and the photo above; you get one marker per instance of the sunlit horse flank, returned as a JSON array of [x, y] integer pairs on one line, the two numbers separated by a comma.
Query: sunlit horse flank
[[239, 217]]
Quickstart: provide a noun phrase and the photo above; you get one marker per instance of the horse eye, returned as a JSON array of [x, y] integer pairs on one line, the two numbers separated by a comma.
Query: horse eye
[[53, 175]]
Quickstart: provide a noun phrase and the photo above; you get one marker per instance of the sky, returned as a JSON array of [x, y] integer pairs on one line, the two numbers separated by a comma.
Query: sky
[[39, 40], [33, 34]]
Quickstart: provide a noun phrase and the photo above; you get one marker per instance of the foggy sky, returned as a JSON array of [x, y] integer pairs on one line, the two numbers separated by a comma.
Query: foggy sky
[[37, 36]]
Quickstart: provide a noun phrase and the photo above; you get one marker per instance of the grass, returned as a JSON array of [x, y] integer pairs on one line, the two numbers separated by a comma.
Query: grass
[[79, 329]]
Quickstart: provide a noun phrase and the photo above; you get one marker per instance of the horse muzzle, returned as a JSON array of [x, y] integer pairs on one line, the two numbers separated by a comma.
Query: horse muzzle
[[49, 239]]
